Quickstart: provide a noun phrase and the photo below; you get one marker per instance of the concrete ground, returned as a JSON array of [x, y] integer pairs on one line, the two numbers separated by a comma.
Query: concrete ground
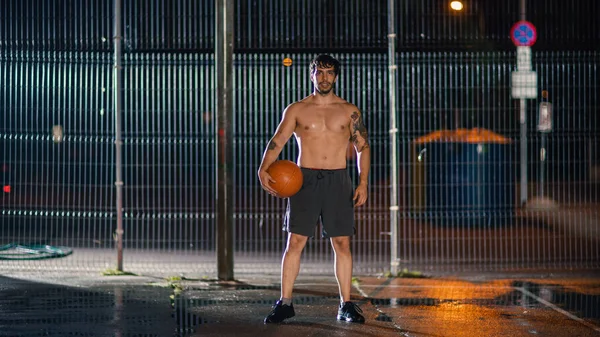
[[58, 303], [69, 297]]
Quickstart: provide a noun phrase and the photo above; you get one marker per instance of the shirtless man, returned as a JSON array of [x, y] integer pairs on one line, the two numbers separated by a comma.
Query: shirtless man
[[322, 123]]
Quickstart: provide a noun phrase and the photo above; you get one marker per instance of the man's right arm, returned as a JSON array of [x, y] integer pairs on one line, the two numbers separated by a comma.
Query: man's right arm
[[284, 131]]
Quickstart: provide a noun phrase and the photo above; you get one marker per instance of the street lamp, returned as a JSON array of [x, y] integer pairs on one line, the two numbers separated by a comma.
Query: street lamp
[[456, 5]]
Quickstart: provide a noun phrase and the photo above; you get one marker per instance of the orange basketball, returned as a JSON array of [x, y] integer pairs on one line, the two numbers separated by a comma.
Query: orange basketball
[[287, 176]]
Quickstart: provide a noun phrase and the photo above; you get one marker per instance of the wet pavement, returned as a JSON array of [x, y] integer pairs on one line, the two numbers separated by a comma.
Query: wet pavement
[[55, 304]]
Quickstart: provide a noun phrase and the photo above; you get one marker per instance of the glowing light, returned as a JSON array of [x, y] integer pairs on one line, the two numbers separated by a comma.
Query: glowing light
[[456, 5], [6, 189], [287, 61], [57, 133]]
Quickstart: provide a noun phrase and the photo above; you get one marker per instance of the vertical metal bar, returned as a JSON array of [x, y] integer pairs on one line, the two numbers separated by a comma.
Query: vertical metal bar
[[392, 71], [224, 106], [118, 142]]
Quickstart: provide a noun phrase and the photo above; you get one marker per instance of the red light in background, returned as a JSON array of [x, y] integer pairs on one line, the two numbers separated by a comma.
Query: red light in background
[[6, 189]]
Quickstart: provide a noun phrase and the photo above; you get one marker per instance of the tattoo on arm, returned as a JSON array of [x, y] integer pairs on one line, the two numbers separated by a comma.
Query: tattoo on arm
[[359, 128], [271, 145]]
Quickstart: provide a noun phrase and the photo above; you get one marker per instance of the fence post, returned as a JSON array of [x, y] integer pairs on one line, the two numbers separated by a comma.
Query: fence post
[[224, 106], [118, 88], [392, 71]]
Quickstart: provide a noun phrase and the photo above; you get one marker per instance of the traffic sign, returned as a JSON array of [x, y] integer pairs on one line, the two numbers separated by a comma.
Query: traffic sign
[[524, 84], [523, 58], [523, 34]]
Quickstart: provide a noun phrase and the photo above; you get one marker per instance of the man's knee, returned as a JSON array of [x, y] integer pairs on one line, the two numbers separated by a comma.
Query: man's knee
[[341, 244], [296, 242]]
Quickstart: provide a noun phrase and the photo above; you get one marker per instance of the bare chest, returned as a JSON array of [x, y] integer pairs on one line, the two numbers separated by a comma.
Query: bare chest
[[328, 121]]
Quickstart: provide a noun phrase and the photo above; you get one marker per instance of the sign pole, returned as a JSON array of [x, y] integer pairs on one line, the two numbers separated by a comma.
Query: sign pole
[[523, 120], [524, 84], [523, 130]]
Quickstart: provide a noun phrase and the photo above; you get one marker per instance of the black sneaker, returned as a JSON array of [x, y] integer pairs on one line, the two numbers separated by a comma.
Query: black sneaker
[[350, 312], [280, 312]]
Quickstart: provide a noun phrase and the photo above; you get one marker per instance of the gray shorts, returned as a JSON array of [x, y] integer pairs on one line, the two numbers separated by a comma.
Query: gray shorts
[[326, 195]]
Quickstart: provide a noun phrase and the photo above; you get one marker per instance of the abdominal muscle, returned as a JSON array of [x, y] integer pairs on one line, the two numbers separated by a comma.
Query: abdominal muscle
[[328, 153]]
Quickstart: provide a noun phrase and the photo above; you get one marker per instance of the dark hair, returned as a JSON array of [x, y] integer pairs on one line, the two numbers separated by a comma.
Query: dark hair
[[325, 61]]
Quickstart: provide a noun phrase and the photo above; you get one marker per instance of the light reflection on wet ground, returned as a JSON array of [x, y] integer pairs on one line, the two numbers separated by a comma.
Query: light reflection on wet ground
[[36, 309], [418, 307]]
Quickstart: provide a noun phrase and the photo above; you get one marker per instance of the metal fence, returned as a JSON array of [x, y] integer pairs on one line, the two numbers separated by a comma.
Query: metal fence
[[459, 154]]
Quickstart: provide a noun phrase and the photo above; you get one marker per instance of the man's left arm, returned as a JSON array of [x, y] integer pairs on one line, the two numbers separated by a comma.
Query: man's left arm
[[360, 139]]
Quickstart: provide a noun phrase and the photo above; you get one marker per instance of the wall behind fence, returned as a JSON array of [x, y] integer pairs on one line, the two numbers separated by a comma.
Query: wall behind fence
[[458, 199]]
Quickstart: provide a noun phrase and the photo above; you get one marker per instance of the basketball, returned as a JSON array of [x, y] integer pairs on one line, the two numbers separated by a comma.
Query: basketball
[[287, 176]]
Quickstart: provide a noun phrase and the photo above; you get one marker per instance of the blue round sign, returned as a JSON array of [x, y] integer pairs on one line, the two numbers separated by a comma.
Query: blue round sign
[[523, 34]]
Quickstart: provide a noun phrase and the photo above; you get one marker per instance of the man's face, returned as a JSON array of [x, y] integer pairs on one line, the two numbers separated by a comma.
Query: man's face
[[323, 79]]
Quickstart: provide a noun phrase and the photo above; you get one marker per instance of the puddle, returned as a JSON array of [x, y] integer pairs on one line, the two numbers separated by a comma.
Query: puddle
[[186, 320], [382, 317], [582, 305], [33, 309]]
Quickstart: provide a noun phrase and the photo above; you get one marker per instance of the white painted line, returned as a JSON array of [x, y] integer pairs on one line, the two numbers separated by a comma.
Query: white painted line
[[564, 312], [362, 292]]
